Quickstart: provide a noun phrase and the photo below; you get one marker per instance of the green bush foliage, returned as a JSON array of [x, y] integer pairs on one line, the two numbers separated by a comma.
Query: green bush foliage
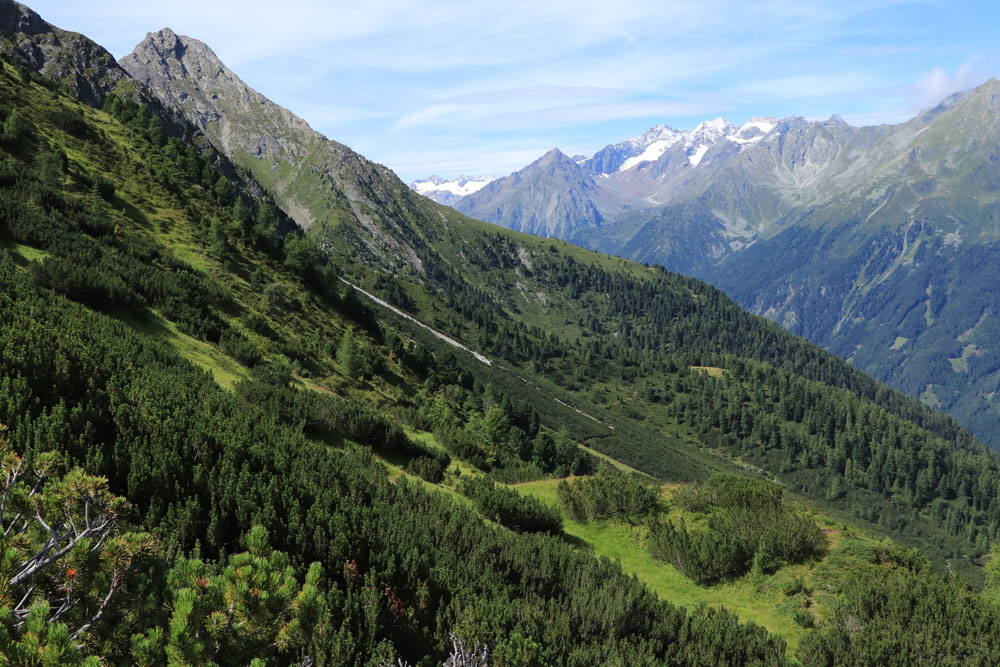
[[748, 527], [609, 494], [510, 508]]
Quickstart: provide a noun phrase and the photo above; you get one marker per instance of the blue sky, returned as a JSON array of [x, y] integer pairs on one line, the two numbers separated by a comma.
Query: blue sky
[[485, 88]]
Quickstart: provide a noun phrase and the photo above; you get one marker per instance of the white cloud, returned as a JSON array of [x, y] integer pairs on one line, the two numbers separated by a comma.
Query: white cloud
[[412, 82], [932, 88], [425, 116]]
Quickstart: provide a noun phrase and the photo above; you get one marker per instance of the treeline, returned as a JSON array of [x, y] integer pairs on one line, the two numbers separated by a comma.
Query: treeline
[[202, 467], [747, 527]]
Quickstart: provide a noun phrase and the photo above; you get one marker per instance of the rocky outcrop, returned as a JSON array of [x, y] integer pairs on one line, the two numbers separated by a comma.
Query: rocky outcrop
[[87, 69], [361, 207], [187, 75]]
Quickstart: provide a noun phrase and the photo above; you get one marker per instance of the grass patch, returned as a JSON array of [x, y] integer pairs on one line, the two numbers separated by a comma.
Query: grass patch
[[713, 371], [225, 370], [756, 598], [613, 462], [22, 254]]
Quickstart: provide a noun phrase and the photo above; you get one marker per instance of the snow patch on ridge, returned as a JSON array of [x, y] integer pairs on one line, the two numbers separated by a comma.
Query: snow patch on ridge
[[695, 158], [460, 187], [658, 139], [753, 131], [652, 152], [765, 125]]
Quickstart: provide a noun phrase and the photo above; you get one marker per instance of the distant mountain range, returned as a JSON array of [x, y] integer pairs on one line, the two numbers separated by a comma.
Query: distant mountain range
[[449, 192], [874, 241], [193, 318]]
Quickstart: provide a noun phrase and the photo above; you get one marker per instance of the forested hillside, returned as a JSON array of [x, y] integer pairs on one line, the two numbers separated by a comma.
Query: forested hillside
[[90, 373], [241, 457], [869, 241]]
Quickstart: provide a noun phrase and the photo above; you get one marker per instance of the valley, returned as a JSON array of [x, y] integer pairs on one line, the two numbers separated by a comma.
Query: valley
[[849, 236], [263, 404]]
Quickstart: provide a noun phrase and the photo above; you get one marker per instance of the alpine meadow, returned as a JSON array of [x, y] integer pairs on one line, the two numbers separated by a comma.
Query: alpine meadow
[[262, 403]]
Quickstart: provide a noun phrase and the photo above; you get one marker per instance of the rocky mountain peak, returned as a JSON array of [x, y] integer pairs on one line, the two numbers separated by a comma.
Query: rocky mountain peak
[[312, 178], [167, 43], [553, 155], [179, 55], [87, 69], [16, 18], [187, 75], [713, 129]]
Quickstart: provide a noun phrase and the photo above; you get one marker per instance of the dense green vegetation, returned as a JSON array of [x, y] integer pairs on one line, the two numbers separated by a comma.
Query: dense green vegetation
[[126, 255], [608, 494], [892, 611], [832, 607], [624, 350], [208, 470], [747, 527], [510, 508]]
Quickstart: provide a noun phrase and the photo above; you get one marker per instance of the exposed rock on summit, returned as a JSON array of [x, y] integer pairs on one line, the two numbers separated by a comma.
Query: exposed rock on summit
[[187, 75], [316, 181], [87, 69]]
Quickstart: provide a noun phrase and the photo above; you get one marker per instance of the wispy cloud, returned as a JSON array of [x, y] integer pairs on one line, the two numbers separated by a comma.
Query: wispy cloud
[[435, 112], [938, 84], [443, 82]]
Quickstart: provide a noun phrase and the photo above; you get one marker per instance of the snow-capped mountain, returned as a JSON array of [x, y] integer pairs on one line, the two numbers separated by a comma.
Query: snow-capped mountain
[[655, 141], [615, 159], [834, 231], [557, 197], [448, 192], [630, 152]]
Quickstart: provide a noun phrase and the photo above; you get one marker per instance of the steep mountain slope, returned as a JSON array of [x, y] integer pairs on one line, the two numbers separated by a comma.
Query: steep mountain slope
[[511, 296], [83, 66], [111, 271], [889, 270], [320, 182], [857, 238], [119, 268]]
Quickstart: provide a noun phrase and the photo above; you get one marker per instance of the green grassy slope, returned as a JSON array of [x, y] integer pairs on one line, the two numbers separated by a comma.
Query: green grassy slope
[[129, 256], [116, 267], [617, 335]]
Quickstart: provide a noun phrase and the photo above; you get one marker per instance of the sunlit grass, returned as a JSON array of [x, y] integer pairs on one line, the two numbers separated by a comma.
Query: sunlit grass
[[757, 598]]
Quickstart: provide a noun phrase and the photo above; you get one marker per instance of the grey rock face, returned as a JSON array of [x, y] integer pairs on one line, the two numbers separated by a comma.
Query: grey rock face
[[553, 196], [359, 206], [187, 75], [87, 69]]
